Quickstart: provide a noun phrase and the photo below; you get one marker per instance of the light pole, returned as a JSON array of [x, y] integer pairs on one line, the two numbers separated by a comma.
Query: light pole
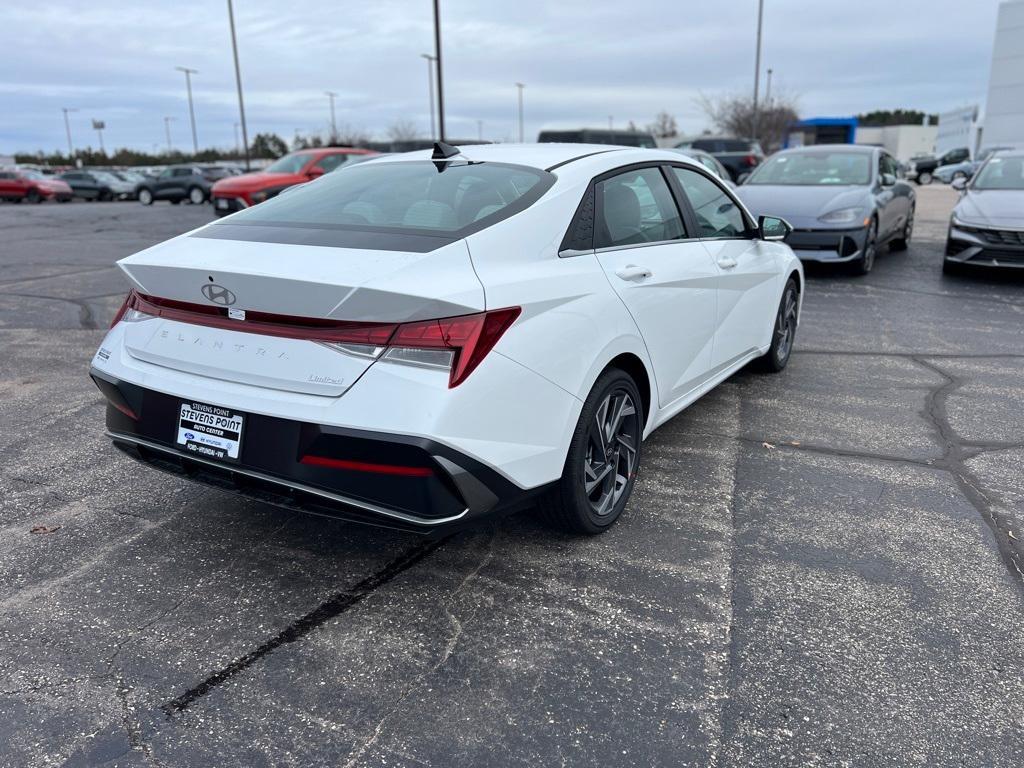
[[440, 70], [334, 126], [519, 87], [237, 148], [430, 90], [167, 130], [768, 90], [191, 112], [238, 81], [757, 64], [67, 127]]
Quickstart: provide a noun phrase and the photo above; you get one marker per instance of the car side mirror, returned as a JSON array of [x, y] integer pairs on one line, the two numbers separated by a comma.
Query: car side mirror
[[959, 183], [773, 228], [315, 172], [888, 180]]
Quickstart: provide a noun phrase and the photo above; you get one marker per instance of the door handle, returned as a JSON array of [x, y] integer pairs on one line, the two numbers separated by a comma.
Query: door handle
[[727, 262], [633, 272]]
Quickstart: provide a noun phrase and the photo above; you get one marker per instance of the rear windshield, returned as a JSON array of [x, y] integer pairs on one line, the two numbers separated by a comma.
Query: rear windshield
[[406, 205]]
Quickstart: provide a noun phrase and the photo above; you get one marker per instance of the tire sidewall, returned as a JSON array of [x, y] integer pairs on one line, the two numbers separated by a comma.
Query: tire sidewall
[[192, 196], [572, 478], [779, 363], [145, 197]]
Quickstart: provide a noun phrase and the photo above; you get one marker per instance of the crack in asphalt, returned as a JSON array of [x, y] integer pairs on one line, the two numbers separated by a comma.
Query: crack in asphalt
[[449, 649], [86, 320], [331, 608], [954, 460]]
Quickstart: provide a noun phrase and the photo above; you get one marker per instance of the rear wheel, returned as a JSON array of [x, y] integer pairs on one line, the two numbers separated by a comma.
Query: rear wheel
[[33, 196], [196, 196], [784, 332], [603, 458], [902, 242], [105, 196], [145, 196], [175, 201], [924, 177], [866, 261]]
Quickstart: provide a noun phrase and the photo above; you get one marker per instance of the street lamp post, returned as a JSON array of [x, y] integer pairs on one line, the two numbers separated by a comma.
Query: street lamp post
[[757, 64], [768, 90], [440, 70], [430, 90], [191, 112], [334, 126], [522, 137], [237, 148], [98, 126], [238, 81], [67, 128], [167, 130]]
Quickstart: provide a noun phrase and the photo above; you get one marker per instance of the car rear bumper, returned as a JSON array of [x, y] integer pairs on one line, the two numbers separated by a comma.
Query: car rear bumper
[[375, 486], [224, 205], [985, 247], [827, 245]]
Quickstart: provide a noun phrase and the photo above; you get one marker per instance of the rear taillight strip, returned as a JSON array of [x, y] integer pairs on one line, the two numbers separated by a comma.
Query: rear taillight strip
[[468, 337]]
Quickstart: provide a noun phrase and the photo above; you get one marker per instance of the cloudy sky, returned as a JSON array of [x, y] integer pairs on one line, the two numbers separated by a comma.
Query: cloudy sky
[[581, 61]]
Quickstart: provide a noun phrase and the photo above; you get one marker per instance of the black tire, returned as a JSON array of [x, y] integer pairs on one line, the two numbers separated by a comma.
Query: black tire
[[866, 262], [33, 196], [175, 201], [924, 177], [145, 196], [953, 267], [902, 242], [105, 196], [777, 357], [587, 500], [196, 196]]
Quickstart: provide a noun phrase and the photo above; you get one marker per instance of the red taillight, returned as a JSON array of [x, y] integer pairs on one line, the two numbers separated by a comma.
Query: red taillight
[[751, 160], [123, 309], [469, 337], [366, 466]]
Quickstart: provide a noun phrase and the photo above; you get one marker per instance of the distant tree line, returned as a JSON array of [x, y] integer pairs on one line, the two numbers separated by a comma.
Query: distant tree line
[[883, 117], [266, 146]]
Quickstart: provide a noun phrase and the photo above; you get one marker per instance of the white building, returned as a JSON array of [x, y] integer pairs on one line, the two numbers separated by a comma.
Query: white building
[[1004, 107], [901, 141], [958, 128]]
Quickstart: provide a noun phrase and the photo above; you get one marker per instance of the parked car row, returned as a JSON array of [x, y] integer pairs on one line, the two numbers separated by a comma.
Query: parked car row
[[21, 184]]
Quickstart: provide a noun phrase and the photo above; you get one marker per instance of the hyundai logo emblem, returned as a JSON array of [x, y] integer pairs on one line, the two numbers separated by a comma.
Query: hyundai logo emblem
[[218, 294]]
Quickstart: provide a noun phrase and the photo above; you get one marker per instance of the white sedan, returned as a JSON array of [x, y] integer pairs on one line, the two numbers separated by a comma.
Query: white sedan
[[424, 339]]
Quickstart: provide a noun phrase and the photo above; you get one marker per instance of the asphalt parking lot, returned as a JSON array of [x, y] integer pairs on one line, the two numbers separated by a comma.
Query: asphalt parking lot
[[819, 568]]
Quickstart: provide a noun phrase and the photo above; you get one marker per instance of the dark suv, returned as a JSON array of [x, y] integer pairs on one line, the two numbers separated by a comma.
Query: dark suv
[[739, 156], [922, 169], [180, 182]]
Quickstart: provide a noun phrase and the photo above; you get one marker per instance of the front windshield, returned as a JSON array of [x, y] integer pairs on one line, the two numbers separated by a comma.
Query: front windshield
[[107, 177], [1001, 173], [412, 196], [288, 164], [814, 169]]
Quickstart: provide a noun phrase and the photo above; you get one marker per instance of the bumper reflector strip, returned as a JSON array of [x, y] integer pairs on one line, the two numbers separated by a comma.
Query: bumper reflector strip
[[366, 466]]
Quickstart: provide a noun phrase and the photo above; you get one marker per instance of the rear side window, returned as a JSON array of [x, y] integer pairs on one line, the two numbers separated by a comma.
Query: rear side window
[[717, 215], [636, 207], [376, 205]]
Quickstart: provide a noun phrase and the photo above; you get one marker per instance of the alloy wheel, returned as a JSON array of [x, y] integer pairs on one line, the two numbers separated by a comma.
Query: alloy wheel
[[870, 248], [786, 325], [610, 460]]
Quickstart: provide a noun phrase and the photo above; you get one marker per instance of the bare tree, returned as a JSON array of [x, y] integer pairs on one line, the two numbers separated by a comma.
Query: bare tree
[[350, 136], [403, 130], [734, 115], [664, 126]]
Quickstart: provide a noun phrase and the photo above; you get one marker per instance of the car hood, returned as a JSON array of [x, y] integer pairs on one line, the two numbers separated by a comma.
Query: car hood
[[993, 207], [251, 182], [800, 206]]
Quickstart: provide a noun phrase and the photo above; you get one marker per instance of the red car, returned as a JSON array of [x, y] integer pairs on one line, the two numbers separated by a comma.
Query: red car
[[237, 192], [32, 187]]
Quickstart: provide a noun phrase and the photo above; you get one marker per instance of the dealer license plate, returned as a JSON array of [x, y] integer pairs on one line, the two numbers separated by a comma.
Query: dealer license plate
[[210, 431]]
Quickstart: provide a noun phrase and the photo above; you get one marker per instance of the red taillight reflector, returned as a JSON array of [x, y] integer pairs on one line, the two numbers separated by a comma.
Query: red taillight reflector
[[367, 466], [125, 410], [123, 309], [751, 160], [470, 337]]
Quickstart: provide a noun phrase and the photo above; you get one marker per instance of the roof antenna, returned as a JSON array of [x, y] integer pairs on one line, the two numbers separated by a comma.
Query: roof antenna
[[443, 151]]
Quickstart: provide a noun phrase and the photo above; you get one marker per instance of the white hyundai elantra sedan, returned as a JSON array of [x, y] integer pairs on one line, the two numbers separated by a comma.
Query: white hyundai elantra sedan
[[424, 339]]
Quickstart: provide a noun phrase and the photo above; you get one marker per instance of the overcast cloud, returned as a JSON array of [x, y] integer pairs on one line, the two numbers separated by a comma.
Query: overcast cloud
[[581, 62]]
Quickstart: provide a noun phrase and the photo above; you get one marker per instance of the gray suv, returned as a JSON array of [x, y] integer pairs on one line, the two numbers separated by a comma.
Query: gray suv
[[180, 182]]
